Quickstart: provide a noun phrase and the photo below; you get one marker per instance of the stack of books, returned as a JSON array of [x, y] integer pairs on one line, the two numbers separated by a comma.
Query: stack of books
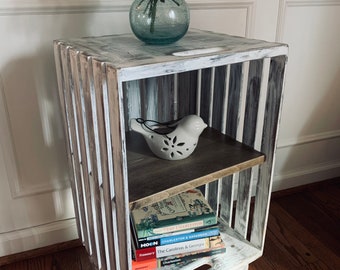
[[176, 231]]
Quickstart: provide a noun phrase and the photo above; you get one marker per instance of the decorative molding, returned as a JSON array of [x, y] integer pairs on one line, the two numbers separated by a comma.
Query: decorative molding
[[62, 7], [108, 6], [6, 149], [329, 135], [38, 236], [74, 7], [247, 5], [284, 4], [315, 168], [23, 256], [12, 170], [306, 175], [311, 173]]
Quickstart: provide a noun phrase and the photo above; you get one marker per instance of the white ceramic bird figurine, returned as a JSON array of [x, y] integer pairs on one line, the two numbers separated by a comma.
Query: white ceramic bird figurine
[[177, 144]]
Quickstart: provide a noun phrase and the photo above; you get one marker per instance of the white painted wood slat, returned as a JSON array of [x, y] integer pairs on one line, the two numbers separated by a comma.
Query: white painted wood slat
[[64, 111], [269, 140], [83, 147], [72, 140], [87, 84]]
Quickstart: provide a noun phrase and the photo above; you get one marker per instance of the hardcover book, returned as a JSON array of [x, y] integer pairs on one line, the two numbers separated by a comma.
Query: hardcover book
[[184, 211], [179, 237], [186, 258], [177, 260], [203, 244]]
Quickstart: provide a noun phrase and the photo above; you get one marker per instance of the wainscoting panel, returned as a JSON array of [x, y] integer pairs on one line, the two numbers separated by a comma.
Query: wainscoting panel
[[309, 140]]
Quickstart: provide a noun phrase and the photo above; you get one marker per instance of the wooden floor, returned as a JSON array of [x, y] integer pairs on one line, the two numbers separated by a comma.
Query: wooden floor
[[303, 230], [303, 233]]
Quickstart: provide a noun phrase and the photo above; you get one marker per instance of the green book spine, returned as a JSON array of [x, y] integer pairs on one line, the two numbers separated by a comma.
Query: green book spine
[[184, 211]]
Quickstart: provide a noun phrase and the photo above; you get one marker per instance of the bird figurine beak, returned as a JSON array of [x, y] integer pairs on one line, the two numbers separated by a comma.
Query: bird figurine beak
[[174, 141]]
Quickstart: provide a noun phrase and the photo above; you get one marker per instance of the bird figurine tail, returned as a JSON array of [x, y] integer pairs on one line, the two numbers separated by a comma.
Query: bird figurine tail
[[173, 141]]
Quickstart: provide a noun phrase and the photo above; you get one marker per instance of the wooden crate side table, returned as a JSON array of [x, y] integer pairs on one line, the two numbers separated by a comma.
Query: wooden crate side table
[[234, 84]]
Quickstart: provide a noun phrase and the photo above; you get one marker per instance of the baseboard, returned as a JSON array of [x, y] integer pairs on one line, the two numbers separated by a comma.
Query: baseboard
[[26, 255], [37, 237], [306, 175]]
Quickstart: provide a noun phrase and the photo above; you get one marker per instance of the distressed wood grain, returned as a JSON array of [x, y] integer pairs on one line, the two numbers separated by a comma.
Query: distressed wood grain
[[119, 180], [78, 85], [234, 99], [187, 93], [137, 61], [64, 112], [87, 80], [269, 140], [68, 84], [99, 80]]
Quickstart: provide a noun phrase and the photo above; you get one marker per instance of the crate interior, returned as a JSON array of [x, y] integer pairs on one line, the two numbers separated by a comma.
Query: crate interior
[[218, 95]]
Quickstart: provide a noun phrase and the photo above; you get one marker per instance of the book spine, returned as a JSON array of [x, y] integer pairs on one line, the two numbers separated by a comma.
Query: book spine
[[155, 237], [177, 238], [190, 257], [206, 221], [173, 249], [151, 264]]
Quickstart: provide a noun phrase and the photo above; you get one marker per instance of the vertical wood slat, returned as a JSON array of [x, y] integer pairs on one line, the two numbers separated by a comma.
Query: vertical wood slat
[[269, 139], [149, 99], [67, 132], [252, 102], [227, 198], [187, 93], [68, 84], [100, 84], [243, 202], [233, 99], [87, 85], [149, 94], [83, 145], [209, 99], [233, 90], [120, 167], [166, 98], [248, 138], [226, 185], [220, 98], [242, 102], [132, 99], [262, 104], [205, 101]]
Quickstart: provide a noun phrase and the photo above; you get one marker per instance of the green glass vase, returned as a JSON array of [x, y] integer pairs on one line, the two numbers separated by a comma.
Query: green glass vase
[[159, 21]]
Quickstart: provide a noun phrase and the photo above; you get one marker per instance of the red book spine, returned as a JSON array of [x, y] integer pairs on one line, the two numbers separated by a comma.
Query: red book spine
[[145, 253], [144, 265]]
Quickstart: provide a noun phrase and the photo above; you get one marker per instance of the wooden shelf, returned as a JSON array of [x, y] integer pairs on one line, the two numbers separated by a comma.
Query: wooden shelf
[[152, 179]]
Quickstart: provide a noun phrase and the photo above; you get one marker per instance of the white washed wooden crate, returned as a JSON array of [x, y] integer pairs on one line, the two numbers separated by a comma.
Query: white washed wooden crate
[[234, 84]]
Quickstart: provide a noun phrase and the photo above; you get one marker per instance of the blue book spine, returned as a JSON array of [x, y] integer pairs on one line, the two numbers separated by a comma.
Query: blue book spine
[[177, 238], [188, 236]]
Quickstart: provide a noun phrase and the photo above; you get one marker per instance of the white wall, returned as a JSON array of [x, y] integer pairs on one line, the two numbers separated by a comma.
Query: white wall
[[309, 141], [35, 199]]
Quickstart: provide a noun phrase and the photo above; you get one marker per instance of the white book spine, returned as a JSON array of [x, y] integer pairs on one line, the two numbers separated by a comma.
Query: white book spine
[[177, 248]]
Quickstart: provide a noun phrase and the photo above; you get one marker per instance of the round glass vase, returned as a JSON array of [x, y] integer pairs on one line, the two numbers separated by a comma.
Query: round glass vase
[[159, 21]]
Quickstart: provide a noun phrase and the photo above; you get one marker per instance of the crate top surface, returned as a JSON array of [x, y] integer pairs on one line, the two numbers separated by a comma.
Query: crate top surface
[[125, 51]]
